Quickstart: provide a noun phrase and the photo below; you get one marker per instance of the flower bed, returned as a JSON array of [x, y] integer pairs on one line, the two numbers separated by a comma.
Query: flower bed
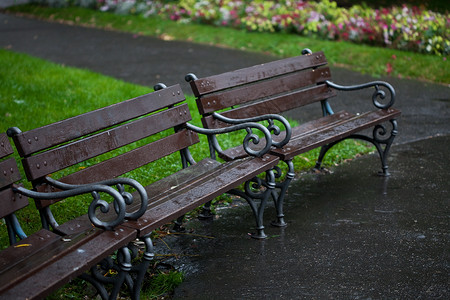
[[405, 28]]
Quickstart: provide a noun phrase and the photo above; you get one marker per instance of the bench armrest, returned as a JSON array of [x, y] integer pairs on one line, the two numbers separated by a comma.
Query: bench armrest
[[95, 189], [274, 129], [250, 137], [378, 93], [119, 183]]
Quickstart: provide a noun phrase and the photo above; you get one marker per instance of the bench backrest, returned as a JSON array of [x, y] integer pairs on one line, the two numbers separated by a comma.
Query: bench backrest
[[10, 202], [56, 146], [270, 88]]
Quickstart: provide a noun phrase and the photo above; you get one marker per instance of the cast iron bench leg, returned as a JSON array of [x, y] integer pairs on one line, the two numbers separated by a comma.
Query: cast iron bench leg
[[377, 140], [257, 192], [278, 198], [98, 279], [140, 269]]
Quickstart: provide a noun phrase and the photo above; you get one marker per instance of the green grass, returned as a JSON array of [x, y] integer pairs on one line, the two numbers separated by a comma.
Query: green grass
[[361, 58], [35, 92]]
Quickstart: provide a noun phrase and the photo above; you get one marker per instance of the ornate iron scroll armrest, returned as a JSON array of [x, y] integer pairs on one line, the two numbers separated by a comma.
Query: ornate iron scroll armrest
[[119, 183], [249, 137], [95, 189], [379, 93], [274, 129]]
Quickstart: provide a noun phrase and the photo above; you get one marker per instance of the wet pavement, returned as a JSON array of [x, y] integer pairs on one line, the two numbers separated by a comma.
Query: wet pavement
[[350, 234]]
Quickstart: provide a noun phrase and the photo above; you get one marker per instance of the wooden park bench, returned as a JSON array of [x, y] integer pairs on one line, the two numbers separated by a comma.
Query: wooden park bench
[[132, 134], [45, 260], [287, 85]]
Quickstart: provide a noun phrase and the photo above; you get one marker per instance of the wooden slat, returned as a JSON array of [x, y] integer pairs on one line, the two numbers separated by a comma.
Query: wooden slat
[[155, 191], [256, 73], [68, 265], [189, 197], [25, 248], [5, 146], [56, 133], [38, 165], [27, 264], [297, 132], [134, 159], [247, 93], [9, 172], [275, 105], [11, 202], [335, 133], [126, 162]]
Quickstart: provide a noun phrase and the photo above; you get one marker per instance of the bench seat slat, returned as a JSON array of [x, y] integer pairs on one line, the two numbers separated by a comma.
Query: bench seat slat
[[247, 93], [28, 263], [74, 262], [36, 166], [155, 191], [298, 131], [26, 247], [251, 74], [328, 135], [202, 191], [66, 130], [275, 105]]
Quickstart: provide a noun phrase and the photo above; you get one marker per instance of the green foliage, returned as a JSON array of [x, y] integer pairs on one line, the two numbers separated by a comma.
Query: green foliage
[[403, 27], [161, 284], [375, 61]]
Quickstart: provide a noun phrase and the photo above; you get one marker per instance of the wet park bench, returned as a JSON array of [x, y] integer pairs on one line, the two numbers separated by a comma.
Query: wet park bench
[[43, 261], [129, 135], [288, 85]]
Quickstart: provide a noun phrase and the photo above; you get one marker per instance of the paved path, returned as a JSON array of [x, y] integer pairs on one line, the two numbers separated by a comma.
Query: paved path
[[147, 61], [351, 234]]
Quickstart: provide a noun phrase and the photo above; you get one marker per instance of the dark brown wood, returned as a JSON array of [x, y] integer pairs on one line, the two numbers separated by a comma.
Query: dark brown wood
[[126, 162], [275, 105], [156, 191], [26, 265], [298, 131], [67, 155], [76, 258], [256, 73], [35, 243], [5, 146], [11, 202], [262, 89], [330, 134], [9, 173], [200, 191], [54, 134]]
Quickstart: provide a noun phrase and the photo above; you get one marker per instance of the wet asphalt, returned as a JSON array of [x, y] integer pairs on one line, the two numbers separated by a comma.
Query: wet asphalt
[[351, 234]]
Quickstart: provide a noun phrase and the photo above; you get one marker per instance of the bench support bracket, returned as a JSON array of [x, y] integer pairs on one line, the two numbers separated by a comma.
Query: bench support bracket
[[256, 193], [122, 271], [278, 197], [378, 140]]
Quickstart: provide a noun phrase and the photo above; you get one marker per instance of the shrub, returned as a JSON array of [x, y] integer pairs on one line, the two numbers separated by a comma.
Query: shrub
[[400, 27]]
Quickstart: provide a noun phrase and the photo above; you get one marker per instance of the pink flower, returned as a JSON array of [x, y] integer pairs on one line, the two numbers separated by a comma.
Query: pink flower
[[388, 68]]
